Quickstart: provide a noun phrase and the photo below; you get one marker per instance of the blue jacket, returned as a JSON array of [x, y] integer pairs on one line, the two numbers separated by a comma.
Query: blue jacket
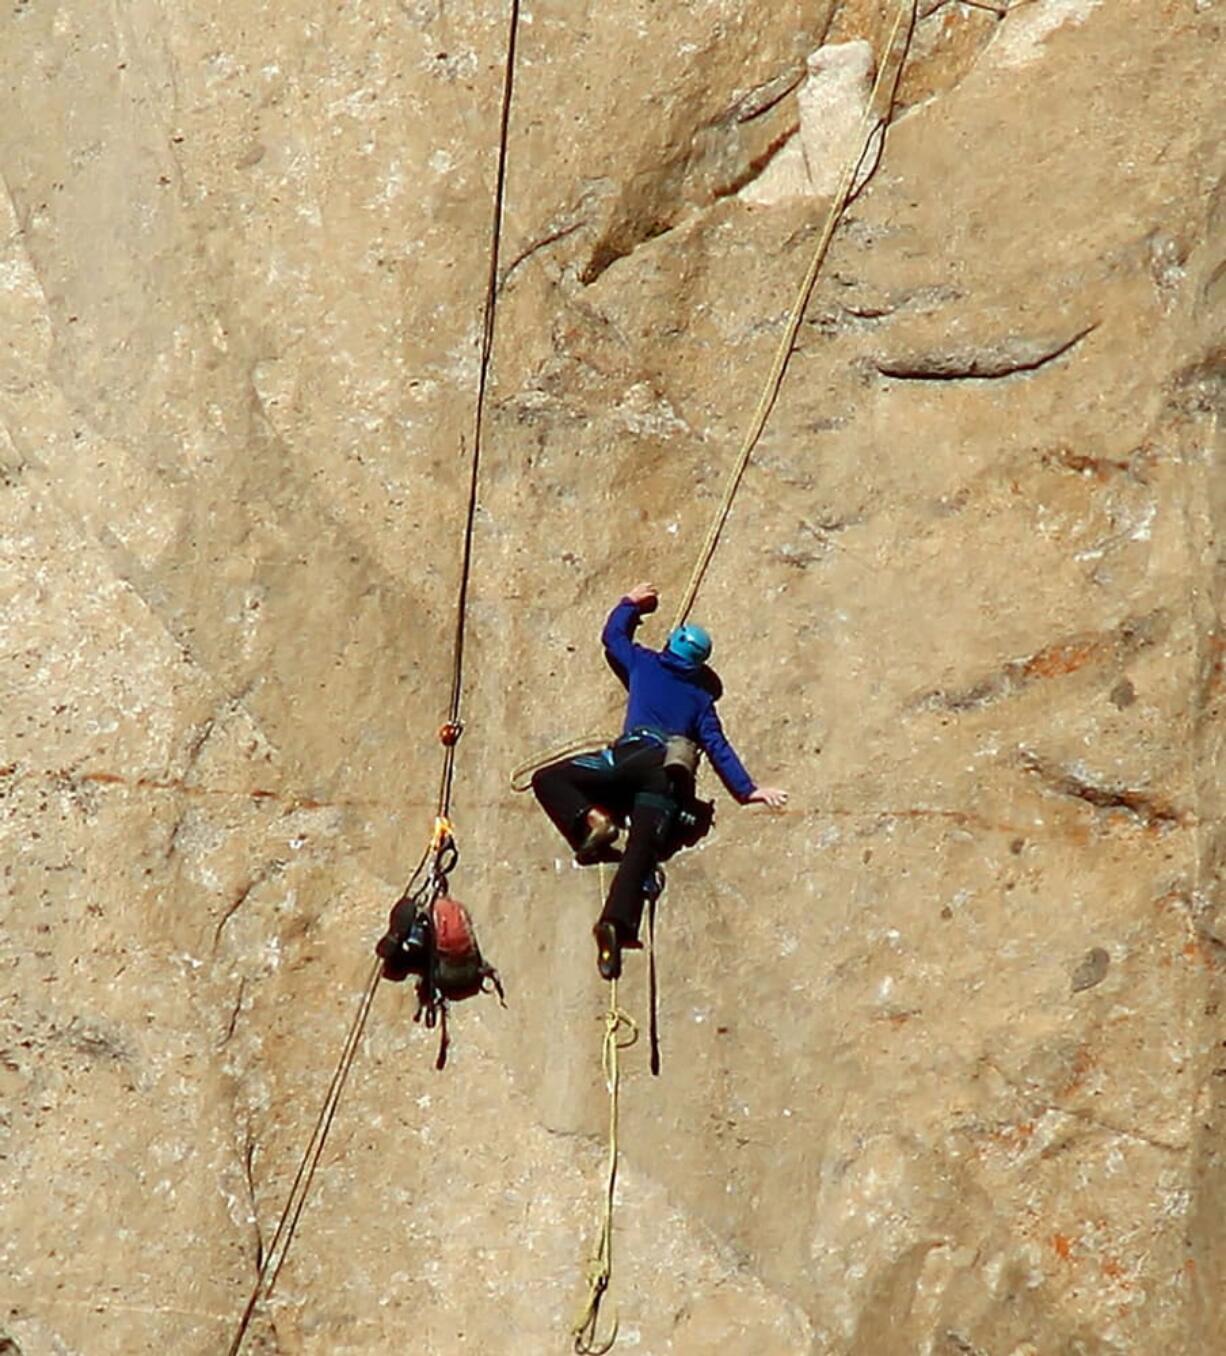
[[668, 695]]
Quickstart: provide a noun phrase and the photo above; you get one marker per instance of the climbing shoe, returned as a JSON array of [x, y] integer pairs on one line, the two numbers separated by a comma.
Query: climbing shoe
[[608, 950], [600, 835]]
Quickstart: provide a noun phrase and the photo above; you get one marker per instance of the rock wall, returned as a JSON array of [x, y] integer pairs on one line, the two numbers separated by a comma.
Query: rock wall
[[942, 1044]]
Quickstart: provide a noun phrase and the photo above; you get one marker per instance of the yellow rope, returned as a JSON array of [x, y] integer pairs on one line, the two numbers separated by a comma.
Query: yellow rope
[[600, 1268], [521, 778], [874, 120]]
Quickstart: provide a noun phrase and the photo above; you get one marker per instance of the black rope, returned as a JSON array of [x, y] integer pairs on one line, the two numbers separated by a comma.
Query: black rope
[[454, 723], [653, 990], [287, 1225]]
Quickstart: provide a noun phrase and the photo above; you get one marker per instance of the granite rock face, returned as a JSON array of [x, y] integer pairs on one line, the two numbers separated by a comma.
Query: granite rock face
[[943, 1053]]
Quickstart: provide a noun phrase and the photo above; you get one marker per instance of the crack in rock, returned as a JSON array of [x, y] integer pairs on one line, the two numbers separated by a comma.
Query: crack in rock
[[863, 310], [534, 248], [249, 1149], [1151, 810], [266, 872], [1008, 357], [234, 1014], [1034, 1101], [762, 98], [1001, 8]]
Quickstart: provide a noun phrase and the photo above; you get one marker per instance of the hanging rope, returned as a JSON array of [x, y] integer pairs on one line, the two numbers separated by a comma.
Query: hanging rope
[[442, 842], [274, 1257], [454, 725], [876, 116], [620, 1032]]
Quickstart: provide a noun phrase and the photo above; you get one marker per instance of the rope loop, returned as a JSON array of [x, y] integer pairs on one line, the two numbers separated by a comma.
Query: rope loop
[[521, 778], [620, 1032], [616, 1021]]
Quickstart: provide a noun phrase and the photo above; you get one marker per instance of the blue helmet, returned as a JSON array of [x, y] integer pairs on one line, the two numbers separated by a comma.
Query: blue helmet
[[690, 643]]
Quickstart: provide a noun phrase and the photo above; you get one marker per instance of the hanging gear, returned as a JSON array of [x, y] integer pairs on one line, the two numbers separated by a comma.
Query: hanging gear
[[408, 946], [431, 935], [692, 819], [459, 969]]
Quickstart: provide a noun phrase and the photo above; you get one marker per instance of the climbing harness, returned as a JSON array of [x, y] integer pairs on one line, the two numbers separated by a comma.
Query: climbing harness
[[429, 879], [876, 117]]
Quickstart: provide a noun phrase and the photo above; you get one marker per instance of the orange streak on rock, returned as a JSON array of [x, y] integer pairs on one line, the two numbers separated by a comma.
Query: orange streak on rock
[[1057, 660]]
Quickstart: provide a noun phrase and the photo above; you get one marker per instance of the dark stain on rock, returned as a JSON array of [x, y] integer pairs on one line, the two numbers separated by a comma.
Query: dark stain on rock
[[1123, 693], [91, 1039], [1201, 387], [1212, 676], [1091, 970]]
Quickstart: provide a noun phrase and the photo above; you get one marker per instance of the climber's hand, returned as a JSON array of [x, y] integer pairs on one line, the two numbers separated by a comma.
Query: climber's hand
[[774, 796], [646, 597]]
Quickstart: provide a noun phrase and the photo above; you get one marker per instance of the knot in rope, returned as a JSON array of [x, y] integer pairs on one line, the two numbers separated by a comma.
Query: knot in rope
[[443, 833]]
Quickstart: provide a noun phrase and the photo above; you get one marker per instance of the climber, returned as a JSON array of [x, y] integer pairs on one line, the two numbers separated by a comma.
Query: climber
[[672, 697]]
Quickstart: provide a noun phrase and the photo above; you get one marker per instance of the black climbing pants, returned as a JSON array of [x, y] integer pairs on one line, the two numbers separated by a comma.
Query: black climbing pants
[[627, 779]]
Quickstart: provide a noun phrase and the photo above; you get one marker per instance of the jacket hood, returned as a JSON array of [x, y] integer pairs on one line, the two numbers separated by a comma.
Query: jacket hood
[[675, 664]]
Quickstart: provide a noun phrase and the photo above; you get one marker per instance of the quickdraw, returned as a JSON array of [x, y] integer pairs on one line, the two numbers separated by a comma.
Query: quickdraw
[[430, 935]]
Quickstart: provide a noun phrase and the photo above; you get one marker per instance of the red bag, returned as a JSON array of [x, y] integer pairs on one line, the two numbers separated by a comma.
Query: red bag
[[459, 970]]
